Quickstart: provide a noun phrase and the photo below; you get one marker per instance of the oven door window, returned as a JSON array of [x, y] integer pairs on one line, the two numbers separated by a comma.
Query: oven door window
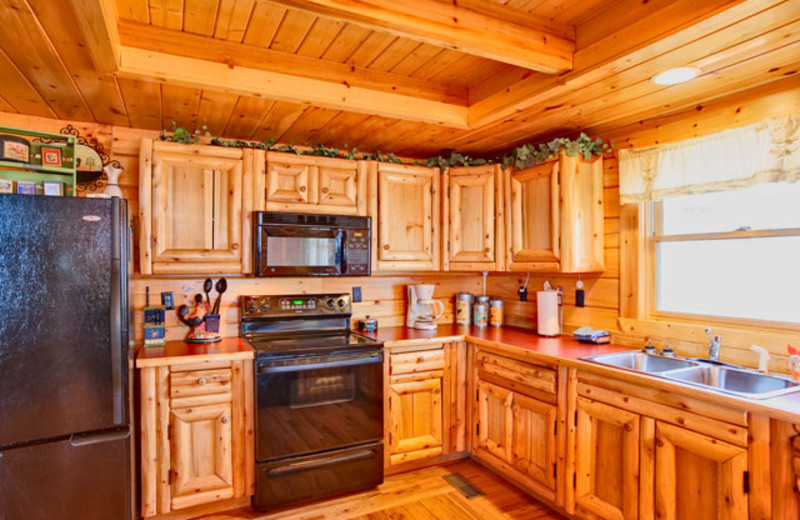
[[322, 404]]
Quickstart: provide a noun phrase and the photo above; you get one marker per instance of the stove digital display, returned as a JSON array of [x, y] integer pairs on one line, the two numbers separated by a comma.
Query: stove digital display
[[298, 302]]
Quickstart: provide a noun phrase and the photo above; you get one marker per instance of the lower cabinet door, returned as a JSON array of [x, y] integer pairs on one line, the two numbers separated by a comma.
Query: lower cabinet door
[[202, 455], [416, 430], [606, 450], [533, 446], [697, 476], [495, 420]]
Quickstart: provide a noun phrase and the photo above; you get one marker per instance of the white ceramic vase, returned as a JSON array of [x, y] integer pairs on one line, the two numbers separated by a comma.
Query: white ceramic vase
[[112, 188]]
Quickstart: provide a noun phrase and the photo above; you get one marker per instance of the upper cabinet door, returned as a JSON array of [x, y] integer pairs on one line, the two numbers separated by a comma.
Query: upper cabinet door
[[404, 205], [582, 214], [310, 184], [532, 212], [471, 221], [195, 217]]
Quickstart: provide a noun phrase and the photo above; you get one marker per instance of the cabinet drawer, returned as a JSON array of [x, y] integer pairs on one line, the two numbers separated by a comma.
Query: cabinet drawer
[[419, 361], [533, 376], [186, 387]]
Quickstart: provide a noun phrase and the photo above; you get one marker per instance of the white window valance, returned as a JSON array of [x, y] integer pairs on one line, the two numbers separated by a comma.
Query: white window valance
[[768, 151]]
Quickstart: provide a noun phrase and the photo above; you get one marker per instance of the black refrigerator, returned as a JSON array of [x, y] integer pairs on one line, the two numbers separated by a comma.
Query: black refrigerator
[[65, 360]]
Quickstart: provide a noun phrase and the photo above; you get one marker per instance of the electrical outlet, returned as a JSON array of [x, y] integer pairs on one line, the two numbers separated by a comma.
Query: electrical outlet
[[356, 294]]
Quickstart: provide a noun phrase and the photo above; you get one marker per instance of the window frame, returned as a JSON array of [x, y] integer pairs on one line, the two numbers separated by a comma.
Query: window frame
[[650, 215]]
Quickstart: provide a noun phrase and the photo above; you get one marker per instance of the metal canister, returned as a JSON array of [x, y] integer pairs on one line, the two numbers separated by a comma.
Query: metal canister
[[480, 311], [368, 325], [496, 313], [464, 308]]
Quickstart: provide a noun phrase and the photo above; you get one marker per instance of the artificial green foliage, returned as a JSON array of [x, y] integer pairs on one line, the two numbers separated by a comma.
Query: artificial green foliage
[[183, 136], [528, 155]]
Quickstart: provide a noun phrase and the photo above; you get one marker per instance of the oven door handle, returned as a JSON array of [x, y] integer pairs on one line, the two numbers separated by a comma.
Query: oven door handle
[[297, 467], [343, 361]]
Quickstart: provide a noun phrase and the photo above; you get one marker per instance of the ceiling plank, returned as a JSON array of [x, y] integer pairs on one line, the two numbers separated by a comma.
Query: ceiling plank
[[97, 24], [516, 37], [639, 47], [204, 74], [249, 56]]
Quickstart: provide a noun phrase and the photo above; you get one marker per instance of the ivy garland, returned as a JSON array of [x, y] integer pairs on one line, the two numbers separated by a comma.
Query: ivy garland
[[521, 157]]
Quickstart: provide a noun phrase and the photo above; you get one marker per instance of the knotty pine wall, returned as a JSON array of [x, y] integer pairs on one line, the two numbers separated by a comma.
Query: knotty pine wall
[[383, 296]]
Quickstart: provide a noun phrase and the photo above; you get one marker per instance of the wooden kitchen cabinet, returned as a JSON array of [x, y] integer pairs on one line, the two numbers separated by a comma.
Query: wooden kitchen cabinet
[[404, 205], [696, 472], [197, 440], [195, 208], [302, 183], [417, 430], [472, 219], [606, 455], [516, 421], [554, 216]]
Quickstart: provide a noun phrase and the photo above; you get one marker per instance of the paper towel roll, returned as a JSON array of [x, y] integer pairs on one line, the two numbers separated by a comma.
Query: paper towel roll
[[549, 323]]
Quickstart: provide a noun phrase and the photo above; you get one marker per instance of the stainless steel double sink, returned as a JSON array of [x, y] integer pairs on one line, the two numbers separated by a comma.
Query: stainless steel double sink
[[730, 380]]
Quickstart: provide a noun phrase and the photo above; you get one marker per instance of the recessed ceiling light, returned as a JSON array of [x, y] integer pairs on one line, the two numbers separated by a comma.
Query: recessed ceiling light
[[674, 76]]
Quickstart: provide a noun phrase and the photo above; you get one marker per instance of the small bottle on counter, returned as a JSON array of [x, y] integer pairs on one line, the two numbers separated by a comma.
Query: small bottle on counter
[[464, 308], [496, 313], [480, 311]]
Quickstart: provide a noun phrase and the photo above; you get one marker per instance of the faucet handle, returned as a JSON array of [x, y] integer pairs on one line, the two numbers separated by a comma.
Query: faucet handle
[[763, 358]]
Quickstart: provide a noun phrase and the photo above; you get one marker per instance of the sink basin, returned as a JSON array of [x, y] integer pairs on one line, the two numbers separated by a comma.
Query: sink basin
[[641, 362], [735, 381]]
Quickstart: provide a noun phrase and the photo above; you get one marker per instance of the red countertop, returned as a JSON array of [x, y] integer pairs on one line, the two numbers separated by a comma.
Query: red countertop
[[181, 352]]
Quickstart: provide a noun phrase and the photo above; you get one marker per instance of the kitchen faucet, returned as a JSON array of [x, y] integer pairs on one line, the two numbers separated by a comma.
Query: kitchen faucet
[[713, 348]]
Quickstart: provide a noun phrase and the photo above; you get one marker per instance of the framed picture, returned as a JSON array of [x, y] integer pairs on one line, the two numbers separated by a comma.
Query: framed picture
[[53, 188], [51, 156]]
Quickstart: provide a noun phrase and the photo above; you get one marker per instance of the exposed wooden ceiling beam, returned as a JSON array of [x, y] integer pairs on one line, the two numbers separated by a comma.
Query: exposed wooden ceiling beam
[[97, 22], [222, 77], [478, 27], [178, 43]]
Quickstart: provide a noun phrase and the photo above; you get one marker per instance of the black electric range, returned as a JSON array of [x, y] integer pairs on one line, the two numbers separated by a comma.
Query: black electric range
[[319, 396]]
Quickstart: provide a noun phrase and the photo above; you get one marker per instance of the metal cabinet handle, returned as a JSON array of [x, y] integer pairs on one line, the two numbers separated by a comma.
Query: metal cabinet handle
[[201, 381]]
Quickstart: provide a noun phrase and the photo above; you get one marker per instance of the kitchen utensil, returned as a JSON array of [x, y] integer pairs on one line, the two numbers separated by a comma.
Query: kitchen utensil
[[221, 286], [183, 312], [207, 286]]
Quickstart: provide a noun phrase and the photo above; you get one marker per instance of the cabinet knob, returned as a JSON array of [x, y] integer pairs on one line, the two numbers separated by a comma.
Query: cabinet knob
[[234, 246], [224, 420], [385, 247], [325, 190], [302, 189], [201, 381], [487, 249]]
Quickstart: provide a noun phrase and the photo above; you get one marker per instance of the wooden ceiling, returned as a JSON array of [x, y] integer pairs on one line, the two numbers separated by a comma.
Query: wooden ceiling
[[410, 76]]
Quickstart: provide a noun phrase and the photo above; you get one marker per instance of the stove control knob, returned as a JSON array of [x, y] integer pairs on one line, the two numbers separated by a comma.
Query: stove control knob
[[331, 303], [251, 306], [341, 303]]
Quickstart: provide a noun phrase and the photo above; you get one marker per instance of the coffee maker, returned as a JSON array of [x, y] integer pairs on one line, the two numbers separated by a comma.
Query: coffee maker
[[423, 310]]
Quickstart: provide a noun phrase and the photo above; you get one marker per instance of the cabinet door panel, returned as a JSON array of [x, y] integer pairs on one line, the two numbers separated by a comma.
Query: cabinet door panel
[[533, 446], [606, 461], [338, 186], [202, 455], [495, 420], [534, 214], [695, 472], [197, 211], [582, 215], [290, 182], [417, 428], [471, 213], [405, 212]]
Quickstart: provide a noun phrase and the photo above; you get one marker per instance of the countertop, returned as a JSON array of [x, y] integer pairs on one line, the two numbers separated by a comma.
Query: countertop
[[564, 350], [181, 352], [561, 350]]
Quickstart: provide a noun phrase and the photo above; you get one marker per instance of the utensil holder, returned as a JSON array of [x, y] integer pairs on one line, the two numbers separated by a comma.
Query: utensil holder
[[212, 323]]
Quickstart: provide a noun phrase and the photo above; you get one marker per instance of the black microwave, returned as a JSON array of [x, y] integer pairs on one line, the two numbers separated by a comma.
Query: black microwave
[[301, 244]]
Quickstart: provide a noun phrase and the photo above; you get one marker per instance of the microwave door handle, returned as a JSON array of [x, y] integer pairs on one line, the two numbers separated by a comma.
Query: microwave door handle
[[342, 241]]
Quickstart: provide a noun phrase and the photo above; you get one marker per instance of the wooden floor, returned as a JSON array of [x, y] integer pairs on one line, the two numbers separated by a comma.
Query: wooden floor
[[421, 495]]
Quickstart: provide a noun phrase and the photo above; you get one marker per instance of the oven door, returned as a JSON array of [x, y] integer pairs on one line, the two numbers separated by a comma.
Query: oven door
[[317, 403], [292, 250]]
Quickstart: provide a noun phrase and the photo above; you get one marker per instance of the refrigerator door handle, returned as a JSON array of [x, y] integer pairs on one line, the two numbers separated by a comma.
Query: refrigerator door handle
[[116, 317], [87, 439]]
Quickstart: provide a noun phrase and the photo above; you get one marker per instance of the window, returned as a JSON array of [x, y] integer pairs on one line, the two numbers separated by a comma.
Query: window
[[732, 254]]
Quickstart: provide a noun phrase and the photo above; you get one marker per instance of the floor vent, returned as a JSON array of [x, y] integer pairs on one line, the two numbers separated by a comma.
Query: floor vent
[[463, 485]]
